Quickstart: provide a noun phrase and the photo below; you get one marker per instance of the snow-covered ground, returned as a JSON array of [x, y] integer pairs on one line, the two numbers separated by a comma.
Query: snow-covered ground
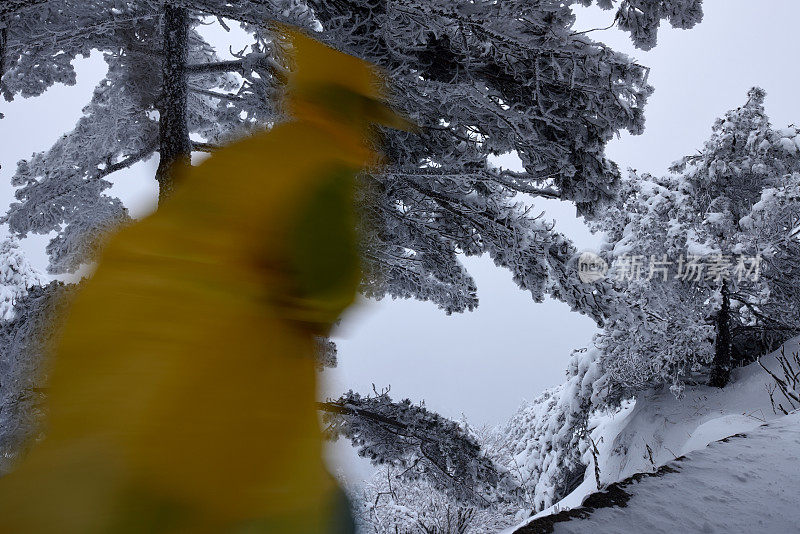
[[658, 428], [741, 485]]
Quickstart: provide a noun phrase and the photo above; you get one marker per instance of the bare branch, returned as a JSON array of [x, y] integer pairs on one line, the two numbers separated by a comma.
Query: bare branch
[[788, 384]]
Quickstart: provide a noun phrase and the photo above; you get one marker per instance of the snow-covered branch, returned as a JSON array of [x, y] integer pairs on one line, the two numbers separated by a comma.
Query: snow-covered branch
[[420, 443]]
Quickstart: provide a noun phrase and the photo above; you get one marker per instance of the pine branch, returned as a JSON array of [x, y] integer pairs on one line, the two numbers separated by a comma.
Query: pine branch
[[64, 37], [204, 147], [251, 12], [235, 65], [344, 409], [242, 66], [214, 94], [511, 180], [427, 444], [12, 7], [129, 161]]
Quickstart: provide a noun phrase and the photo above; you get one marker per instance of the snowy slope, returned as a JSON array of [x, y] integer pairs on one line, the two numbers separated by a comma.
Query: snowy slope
[[743, 484], [658, 428]]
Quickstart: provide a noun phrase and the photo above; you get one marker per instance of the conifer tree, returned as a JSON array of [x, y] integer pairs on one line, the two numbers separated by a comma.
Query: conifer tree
[[30, 305], [740, 194], [478, 78]]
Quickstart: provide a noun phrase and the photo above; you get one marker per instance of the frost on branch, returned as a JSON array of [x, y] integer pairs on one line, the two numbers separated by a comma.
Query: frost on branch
[[389, 503], [641, 18], [419, 444], [326, 353]]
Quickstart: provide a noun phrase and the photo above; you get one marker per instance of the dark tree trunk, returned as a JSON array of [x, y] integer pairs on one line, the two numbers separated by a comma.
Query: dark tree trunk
[[721, 366], [175, 146], [3, 44]]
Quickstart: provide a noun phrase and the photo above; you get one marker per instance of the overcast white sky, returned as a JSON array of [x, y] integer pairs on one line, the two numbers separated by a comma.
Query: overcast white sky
[[482, 364]]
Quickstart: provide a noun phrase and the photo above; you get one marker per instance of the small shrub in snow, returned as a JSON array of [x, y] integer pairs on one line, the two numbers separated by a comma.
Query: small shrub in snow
[[787, 381]]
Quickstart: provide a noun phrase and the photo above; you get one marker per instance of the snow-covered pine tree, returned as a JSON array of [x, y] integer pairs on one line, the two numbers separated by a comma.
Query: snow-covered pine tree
[[479, 78], [770, 311], [389, 503], [739, 195], [543, 446], [711, 209], [745, 161], [420, 444], [660, 333], [28, 303], [23, 342]]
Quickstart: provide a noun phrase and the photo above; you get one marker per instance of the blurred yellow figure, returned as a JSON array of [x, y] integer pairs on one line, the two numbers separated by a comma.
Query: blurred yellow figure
[[182, 394]]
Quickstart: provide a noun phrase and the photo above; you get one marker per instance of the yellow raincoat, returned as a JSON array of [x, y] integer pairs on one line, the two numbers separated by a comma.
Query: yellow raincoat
[[182, 394]]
